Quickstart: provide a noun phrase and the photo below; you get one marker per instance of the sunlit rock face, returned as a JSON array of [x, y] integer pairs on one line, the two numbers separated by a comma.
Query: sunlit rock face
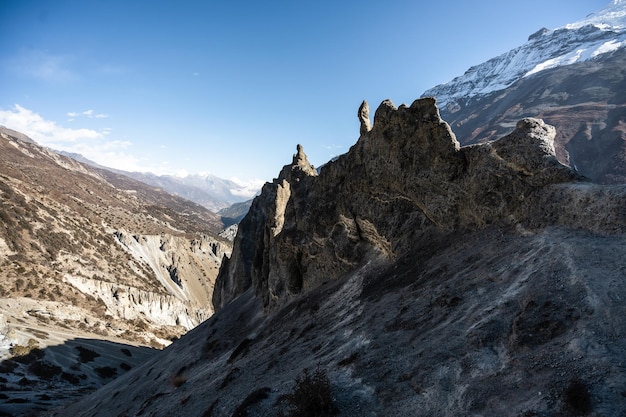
[[423, 278], [405, 177]]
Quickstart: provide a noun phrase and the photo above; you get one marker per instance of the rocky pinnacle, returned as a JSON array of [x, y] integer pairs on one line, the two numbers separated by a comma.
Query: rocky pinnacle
[[364, 117]]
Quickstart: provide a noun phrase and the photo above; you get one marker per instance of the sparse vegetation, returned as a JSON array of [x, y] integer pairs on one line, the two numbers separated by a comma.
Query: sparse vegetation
[[106, 371], [577, 398], [311, 396], [86, 355], [22, 351]]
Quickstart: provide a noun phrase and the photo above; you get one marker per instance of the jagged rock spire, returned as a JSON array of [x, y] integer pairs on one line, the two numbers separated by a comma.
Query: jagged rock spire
[[364, 117], [300, 166]]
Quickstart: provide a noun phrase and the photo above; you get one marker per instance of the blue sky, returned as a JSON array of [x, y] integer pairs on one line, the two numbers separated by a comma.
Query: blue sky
[[231, 87]]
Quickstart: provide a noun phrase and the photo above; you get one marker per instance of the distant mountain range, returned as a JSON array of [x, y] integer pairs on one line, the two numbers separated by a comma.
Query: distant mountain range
[[208, 190], [573, 77]]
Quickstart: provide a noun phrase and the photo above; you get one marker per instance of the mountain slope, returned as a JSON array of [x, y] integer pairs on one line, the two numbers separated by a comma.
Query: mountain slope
[[584, 101], [64, 221], [599, 33], [572, 77], [423, 278], [82, 258]]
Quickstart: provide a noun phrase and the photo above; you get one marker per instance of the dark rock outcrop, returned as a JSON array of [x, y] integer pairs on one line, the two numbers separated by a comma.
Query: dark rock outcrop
[[405, 178], [423, 278]]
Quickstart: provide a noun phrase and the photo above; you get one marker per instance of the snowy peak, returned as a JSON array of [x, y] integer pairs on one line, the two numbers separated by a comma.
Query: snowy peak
[[597, 34], [612, 17]]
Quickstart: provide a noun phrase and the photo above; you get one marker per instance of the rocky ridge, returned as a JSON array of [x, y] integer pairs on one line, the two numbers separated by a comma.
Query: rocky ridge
[[423, 278], [411, 165]]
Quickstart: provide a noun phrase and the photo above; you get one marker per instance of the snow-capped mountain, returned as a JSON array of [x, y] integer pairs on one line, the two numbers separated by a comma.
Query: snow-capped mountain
[[206, 189], [597, 34]]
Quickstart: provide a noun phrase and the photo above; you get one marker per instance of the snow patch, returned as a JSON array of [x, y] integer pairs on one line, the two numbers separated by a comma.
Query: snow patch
[[597, 34], [584, 53]]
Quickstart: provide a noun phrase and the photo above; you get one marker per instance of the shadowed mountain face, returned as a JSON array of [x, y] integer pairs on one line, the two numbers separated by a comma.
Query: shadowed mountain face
[[35, 380], [586, 102], [423, 278]]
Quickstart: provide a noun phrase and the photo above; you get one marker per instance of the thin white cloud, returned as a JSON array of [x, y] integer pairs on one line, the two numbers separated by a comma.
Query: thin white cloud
[[87, 113], [41, 65], [247, 189], [92, 144], [45, 132]]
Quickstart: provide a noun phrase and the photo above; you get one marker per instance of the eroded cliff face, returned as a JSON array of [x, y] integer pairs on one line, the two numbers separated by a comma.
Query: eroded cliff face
[[404, 178], [178, 263], [422, 277]]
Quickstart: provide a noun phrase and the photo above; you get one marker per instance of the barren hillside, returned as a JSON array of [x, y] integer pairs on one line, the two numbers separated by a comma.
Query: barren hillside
[[411, 277], [83, 257]]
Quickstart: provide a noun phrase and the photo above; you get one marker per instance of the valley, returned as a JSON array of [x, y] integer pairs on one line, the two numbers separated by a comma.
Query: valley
[[122, 265], [465, 257]]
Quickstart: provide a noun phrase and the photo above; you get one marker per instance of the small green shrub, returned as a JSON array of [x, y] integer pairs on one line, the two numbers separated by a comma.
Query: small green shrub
[[311, 396]]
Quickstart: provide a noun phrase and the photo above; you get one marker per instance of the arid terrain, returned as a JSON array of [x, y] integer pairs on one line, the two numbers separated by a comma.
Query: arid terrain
[[91, 256], [484, 281]]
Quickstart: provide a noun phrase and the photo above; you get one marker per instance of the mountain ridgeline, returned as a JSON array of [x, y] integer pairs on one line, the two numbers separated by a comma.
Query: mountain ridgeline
[[420, 277], [573, 78]]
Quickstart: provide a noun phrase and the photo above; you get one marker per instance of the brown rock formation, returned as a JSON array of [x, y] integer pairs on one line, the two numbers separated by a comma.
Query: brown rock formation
[[406, 178], [265, 221], [364, 117], [423, 278]]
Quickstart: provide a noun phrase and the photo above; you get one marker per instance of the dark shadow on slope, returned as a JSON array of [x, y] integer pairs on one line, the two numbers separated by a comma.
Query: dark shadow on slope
[[35, 380]]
